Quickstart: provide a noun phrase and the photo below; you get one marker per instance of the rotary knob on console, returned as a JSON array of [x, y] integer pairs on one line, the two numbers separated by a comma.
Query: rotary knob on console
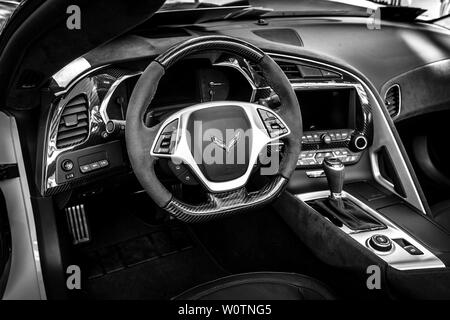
[[326, 138], [380, 242], [359, 142]]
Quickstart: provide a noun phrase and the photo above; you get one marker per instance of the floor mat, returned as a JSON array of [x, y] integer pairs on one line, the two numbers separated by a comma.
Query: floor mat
[[159, 265], [127, 259]]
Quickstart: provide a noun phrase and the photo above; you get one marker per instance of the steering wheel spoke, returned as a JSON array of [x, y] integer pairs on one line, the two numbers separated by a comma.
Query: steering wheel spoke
[[192, 136]]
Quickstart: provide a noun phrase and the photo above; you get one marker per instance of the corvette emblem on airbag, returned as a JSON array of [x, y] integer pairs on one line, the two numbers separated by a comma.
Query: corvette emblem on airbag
[[221, 144]]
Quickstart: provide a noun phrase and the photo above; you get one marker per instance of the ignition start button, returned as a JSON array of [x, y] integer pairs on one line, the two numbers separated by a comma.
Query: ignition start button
[[380, 242]]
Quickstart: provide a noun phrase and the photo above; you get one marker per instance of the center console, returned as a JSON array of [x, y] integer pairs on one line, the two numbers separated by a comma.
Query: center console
[[373, 229], [372, 213], [337, 122]]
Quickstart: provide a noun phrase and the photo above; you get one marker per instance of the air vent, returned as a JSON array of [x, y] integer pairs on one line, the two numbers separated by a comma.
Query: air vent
[[392, 100], [290, 70], [299, 72], [74, 123]]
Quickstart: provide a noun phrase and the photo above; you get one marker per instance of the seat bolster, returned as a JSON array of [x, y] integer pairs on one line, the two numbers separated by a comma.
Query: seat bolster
[[260, 286]]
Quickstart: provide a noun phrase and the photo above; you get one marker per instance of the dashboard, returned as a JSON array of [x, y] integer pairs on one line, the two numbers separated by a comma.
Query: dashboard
[[85, 130], [318, 56]]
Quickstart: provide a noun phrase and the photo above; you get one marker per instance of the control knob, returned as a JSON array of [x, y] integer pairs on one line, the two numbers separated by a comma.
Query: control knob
[[67, 165], [326, 138], [380, 242], [359, 142]]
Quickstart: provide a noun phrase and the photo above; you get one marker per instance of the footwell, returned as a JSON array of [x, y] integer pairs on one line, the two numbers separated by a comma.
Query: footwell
[[157, 265]]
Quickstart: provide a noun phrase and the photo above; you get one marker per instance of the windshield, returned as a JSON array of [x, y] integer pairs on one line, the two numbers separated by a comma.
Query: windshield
[[434, 9]]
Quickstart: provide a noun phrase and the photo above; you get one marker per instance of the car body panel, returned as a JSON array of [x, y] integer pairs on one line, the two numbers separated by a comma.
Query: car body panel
[[25, 277]]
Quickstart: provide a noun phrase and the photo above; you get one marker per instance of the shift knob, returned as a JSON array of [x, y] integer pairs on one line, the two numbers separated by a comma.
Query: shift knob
[[335, 171]]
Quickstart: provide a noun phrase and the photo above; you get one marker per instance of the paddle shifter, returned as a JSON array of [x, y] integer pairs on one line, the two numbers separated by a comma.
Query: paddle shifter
[[335, 171]]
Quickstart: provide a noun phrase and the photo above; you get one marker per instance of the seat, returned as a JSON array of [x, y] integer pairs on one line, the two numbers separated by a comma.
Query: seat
[[260, 286], [441, 213]]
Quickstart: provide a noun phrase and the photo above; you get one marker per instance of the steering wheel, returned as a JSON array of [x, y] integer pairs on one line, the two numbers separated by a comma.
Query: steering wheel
[[221, 130]]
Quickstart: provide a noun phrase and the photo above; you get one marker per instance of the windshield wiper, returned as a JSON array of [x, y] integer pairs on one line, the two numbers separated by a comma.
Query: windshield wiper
[[200, 15], [314, 13], [190, 16], [247, 13]]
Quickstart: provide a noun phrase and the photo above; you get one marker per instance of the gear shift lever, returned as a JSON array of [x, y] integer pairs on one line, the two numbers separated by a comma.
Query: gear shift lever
[[339, 209], [335, 171]]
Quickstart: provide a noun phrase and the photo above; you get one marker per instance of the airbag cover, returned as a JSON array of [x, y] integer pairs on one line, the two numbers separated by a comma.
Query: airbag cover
[[220, 142]]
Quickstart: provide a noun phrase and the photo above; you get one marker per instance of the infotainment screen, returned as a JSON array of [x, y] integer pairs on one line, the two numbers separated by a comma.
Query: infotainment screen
[[326, 109]]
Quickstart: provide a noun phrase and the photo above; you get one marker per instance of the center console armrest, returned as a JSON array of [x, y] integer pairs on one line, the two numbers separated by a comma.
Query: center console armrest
[[421, 228]]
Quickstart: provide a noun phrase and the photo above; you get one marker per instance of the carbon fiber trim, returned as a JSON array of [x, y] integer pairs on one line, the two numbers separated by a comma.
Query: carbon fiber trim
[[94, 87], [222, 202], [221, 43], [226, 203], [364, 124], [365, 127]]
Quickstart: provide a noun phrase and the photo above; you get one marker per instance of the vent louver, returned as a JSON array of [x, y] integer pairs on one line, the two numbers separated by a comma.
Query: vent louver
[[73, 127], [302, 72], [392, 100], [290, 70]]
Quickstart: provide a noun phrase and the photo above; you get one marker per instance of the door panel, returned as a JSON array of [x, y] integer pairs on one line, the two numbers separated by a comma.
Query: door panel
[[24, 279], [5, 245], [426, 140]]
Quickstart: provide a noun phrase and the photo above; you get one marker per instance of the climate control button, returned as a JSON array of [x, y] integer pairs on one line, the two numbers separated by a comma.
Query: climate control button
[[315, 158]]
